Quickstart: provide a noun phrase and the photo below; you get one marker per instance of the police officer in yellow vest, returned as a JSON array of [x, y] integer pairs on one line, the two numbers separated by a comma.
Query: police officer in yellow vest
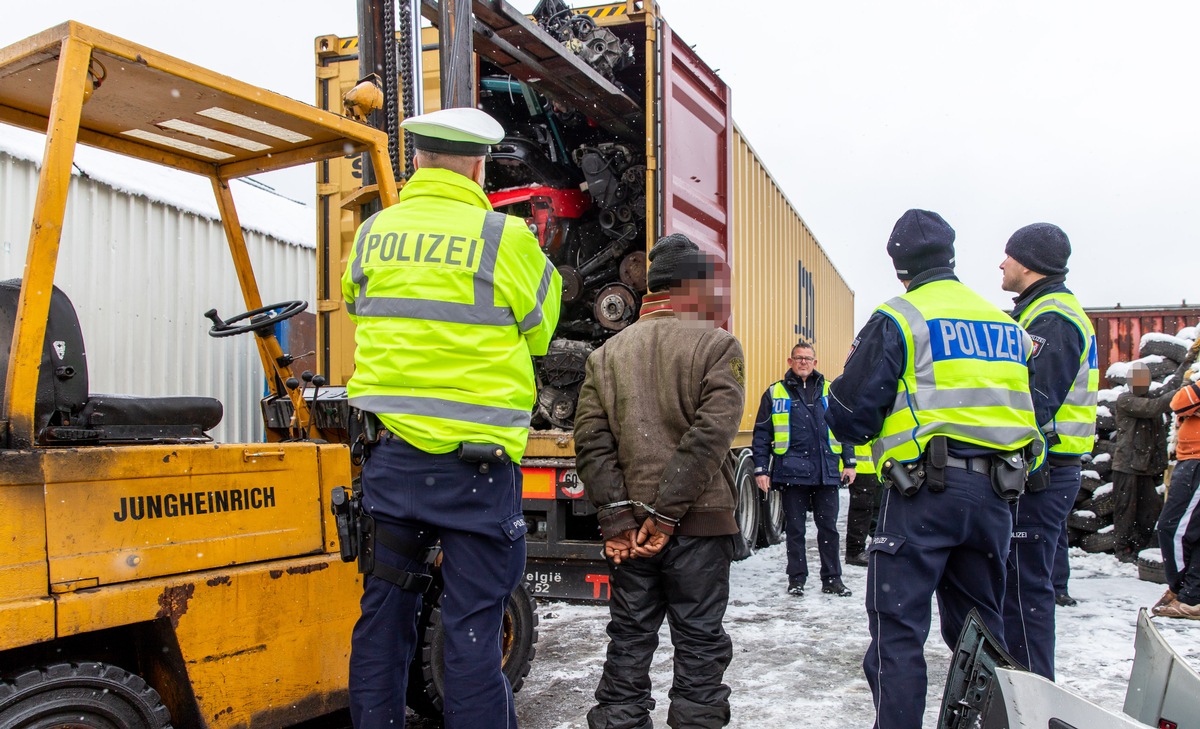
[[794, 451], [865, 494], [1063, 378], [450, 300], [939, 377]]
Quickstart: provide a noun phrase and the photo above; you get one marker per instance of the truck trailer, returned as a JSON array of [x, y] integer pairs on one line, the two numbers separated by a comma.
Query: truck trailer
[[626, 139]]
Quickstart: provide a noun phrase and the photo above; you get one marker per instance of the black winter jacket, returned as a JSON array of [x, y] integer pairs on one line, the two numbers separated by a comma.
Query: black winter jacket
[[809, 459]]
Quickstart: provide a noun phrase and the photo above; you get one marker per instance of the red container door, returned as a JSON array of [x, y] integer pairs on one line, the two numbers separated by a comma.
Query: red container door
[[696, 141]]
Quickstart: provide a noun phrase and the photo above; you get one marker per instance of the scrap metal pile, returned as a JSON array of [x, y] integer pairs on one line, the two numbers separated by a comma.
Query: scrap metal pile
[[582, 191]]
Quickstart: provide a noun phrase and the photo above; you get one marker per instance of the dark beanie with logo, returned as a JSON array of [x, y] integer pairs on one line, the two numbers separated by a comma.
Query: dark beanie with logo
[[1041, 247], [673, 258], [921, 240]]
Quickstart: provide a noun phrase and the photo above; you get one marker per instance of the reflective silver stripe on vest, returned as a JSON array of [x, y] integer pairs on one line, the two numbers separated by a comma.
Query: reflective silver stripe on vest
[[967, 397], [923, 351], [952, 430], [483, 311], [533, 318], [1079, 430], [447, 409], [356, 270]]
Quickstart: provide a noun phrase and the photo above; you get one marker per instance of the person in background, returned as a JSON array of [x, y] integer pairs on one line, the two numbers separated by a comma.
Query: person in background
[[1140, 458], [1179, 523], [1063, 378], [862, 516], [444, 342], [1061, 574], [658, 411], [794, 451], [939, 378]]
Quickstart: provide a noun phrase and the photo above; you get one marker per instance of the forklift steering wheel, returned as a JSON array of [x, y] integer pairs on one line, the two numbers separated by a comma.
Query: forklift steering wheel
[[258, 320]]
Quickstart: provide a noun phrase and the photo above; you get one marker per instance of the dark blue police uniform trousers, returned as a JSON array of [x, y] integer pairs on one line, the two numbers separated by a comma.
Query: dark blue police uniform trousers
[[1179, 532], [1062, 563], [823, 501], [953, 543], [1038, 520], [415, 493]]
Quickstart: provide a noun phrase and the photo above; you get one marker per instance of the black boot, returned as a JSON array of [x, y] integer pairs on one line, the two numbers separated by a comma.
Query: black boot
[[835, 587]]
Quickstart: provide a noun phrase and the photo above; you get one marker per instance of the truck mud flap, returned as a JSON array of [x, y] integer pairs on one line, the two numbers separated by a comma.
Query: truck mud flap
[[1163, 691]]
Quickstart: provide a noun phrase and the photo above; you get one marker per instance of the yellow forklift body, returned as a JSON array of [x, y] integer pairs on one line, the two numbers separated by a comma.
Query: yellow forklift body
[[213, 569]]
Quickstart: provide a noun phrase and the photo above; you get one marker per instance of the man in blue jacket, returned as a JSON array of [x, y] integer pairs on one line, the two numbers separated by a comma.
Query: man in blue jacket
[[794, 450]]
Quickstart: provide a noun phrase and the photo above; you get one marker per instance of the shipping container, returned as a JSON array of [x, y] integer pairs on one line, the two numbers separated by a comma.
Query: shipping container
[[701, 177], [1119, 330]]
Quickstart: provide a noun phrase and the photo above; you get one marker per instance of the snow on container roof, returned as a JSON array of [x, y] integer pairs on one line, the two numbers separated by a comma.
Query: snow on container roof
[[259, 210]]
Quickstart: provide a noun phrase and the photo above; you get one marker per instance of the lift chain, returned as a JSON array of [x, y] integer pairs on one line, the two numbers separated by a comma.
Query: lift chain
[[391, 73], [408, 82]]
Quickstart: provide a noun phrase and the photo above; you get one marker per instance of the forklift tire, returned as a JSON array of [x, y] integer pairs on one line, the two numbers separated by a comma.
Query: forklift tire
[[88, 695], [770, 518], [426, 675]]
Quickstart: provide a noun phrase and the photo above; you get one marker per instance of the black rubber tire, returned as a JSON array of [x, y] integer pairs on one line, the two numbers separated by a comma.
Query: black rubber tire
[[770, 518], [748, 510], [1084, 522], [1150, 571], [1087, 484], [84, 695], [1104, 504], [426, 675], [1099, 541], [1164, 348]]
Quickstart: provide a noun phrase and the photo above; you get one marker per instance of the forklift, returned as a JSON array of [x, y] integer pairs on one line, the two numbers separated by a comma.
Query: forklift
[[152, 577]]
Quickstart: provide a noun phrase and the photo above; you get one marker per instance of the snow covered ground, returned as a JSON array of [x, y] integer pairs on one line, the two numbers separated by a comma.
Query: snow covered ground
[[797, 661]]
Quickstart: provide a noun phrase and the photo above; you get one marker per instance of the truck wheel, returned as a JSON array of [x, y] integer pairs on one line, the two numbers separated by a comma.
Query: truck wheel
[[770, 517], [426, 675], [747, 511], [89, 695]]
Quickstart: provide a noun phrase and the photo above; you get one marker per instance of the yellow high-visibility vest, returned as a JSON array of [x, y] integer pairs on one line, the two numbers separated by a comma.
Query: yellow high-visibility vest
[[965, 376], [781, 410], [863, 460], [1075, 421], [450, 300]]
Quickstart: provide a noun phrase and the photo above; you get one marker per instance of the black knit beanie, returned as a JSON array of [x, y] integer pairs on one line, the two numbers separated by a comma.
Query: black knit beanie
[[1041, 247], [921, 240], [672, 259]]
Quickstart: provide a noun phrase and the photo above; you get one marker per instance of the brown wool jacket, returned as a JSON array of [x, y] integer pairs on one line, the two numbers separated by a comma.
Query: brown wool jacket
[[658, 411]]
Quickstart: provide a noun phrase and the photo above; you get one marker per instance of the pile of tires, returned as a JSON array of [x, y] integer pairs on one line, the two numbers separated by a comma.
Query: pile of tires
[[1090, 525]]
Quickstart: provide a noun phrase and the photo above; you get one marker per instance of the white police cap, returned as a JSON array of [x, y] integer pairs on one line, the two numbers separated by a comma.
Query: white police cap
[[463, 131]]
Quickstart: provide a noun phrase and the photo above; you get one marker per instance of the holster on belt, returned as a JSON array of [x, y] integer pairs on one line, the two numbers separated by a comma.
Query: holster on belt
[[485, 454], [900, 477], [937, 451], [424, 553], [1008, 475], [1038, 480], [363, 431]]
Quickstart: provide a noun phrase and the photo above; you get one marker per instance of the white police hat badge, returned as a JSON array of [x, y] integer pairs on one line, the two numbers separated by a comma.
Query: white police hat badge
[[463, 131]]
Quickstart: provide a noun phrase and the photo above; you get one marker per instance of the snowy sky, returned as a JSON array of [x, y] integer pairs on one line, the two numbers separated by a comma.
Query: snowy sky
[[993, 114]]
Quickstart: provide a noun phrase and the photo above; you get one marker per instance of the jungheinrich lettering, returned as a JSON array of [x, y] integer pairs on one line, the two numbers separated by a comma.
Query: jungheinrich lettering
[[421, 248], [191, 503]]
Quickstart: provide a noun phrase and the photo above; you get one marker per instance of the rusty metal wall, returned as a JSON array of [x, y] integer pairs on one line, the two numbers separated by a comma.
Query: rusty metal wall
[[1119, 331], [784, 286], [141, 274]]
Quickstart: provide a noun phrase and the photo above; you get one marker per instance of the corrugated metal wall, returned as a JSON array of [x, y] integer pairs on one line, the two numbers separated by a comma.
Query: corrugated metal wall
[[141, 275], [784, 286], [1119, 331]]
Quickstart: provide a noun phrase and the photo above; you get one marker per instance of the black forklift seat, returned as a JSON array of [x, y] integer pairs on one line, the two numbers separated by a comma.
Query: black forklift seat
[[66, 413]]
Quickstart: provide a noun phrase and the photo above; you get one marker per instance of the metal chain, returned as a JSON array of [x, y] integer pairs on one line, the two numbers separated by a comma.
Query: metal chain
[[390, 72], [408, 84]]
